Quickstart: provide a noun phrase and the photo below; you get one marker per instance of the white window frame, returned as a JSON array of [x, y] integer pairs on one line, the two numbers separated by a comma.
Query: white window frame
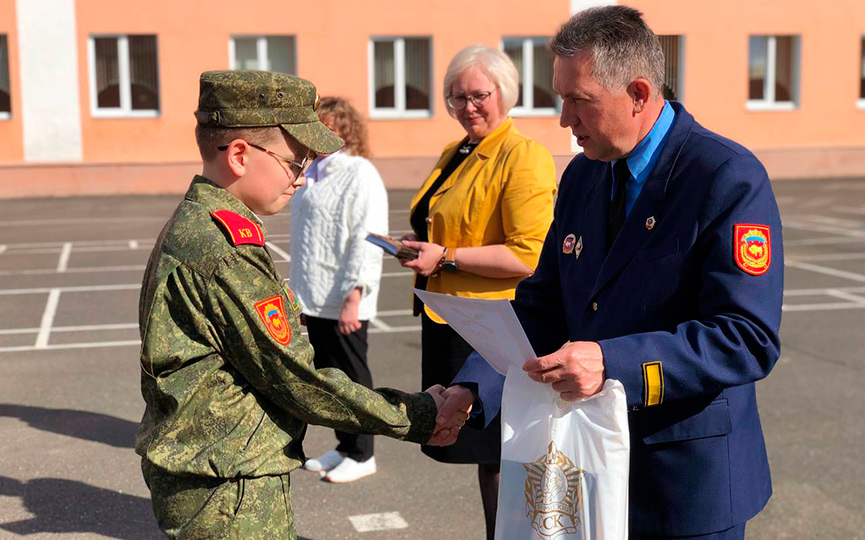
[[681, 66], [861, 101], [527, 77], [261, 51], [768, 102], [125, 110], [7, 115], [398, 112]]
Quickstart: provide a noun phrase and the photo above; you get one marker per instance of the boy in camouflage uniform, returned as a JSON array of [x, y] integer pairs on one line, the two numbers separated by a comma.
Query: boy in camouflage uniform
[[226, 374]]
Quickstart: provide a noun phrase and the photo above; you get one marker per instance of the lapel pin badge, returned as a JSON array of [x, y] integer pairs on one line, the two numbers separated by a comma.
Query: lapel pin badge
[[568, 244], [650, 222], [579, 247]]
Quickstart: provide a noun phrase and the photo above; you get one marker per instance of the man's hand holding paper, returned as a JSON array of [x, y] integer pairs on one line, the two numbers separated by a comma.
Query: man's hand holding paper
[[575, 371]]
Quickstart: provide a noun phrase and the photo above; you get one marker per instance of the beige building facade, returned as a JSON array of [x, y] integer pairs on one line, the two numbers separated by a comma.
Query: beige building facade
[[96, 96]]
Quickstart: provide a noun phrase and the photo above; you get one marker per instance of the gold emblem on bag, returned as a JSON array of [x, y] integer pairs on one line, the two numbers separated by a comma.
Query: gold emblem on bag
[[554, 498]]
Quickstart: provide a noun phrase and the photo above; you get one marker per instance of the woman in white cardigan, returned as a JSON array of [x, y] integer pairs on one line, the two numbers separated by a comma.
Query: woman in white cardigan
[[335, 273]]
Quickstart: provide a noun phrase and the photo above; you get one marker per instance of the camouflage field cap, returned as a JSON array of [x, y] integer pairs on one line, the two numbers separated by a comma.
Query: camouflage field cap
[[244, 98]]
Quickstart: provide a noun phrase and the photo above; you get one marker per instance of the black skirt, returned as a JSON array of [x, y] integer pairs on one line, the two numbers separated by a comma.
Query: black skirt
[[443, 354]]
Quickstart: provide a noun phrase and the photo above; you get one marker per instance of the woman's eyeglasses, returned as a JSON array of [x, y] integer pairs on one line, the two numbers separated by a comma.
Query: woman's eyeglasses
[[478, 99]]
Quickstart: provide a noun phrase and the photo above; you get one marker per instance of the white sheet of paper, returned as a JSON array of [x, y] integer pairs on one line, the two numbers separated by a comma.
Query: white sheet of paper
[[490, 326]]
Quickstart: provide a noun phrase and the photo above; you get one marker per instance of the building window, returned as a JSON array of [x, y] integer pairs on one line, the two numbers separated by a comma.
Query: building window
[[124, 78], [862, 74], [267, 53], [534, 61], [5, 92], [674, 63], [773, 72], [401, 75]]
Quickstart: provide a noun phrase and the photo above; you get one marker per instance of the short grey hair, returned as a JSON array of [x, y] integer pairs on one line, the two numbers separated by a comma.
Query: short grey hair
[[622, 45], [494, 63]]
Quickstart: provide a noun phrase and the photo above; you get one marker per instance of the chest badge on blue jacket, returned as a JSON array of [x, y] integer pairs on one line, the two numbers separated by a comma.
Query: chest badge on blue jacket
[[568, 244], [650, 223]]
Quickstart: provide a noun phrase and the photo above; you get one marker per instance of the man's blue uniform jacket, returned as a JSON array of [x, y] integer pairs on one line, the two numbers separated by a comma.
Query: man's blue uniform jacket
[[687, 316]]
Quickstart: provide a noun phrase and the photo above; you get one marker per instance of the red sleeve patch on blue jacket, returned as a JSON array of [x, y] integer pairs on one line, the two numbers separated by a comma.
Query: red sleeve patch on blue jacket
[[752, 248], [239, 229]]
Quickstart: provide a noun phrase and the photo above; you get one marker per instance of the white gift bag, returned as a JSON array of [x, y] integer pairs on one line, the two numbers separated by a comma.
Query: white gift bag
[[564, 465]]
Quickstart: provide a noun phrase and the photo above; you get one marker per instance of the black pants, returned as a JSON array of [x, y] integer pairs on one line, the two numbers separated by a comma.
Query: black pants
[[347, 353]]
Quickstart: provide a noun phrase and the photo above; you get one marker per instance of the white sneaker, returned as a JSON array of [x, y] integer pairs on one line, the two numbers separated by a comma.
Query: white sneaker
[[350, 470], [324, 462]]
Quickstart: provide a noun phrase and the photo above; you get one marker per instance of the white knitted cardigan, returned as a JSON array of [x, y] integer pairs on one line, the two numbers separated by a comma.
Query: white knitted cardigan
[[330, 217]]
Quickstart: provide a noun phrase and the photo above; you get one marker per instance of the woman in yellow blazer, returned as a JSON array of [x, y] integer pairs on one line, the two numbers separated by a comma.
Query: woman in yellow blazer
[[479, 222]]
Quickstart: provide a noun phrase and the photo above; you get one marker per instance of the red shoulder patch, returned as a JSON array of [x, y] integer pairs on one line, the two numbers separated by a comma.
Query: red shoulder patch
[[272, 314], [752, 248], [239, 229]]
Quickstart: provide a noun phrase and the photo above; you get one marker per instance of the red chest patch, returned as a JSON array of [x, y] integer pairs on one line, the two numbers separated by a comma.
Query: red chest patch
[[239, 229], [752, 248], [272, 314]]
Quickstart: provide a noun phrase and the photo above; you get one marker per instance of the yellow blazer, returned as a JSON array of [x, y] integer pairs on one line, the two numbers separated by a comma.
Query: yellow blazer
[[502, 193]]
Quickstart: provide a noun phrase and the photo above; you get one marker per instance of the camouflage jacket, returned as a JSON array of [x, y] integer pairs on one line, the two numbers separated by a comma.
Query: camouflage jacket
[[225, 372]]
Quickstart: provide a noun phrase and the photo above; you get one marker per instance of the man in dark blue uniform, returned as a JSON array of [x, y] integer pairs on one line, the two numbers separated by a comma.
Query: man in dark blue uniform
[[663, 269]]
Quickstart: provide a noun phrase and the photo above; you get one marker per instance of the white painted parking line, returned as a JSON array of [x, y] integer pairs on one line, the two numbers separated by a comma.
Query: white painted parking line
[[85, 328], [2, 249], [853, 301], [396, 274], [834, 221], [119, 244], [816, 227], [63, 263], [394, 312], [831, 257], [83, 288], [279, 251], [84, 221], [378, 522], [380, 325], [396, 330], [846, 296], [63, 347], [823, 307], [817, 201], [81, 270], [823, 241], [47, 319], [825, 270], [856, 210], [824, 291]]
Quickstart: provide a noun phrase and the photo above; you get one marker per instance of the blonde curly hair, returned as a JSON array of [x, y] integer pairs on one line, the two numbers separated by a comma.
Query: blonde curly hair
[[347, 122]]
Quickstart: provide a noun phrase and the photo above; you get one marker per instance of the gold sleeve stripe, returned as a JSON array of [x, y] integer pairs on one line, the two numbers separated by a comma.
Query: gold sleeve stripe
[[653, 384]]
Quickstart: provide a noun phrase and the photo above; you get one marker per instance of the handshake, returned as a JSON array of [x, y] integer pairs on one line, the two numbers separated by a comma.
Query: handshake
[[454, 405]]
